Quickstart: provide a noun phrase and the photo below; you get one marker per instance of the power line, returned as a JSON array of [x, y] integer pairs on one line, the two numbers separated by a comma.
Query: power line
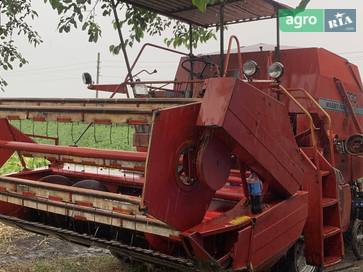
[[160, 66], [45, 73], [73, 71], [49, 72], [79, 66], [54, 79], [93, 10], [351, 52], [355, 58], [53, 68], [150, 61]]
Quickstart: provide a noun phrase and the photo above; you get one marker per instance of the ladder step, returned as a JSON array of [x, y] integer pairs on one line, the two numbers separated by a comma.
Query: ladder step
[[329, 231], [328, 202], [324, 173], [331, 260]]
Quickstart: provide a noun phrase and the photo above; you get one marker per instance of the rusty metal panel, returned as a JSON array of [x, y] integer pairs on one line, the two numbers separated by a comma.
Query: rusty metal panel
[[85, 110], [235, 11], [82, 204], [260, 126]]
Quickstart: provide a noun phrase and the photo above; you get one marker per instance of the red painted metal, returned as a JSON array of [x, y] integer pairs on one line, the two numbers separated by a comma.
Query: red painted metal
[[10, 133], [239, 56], [113, 88], [193, 175], [257, 246], [82, 152], [213, 163], [250, 116], [55, 139], [165, 195]]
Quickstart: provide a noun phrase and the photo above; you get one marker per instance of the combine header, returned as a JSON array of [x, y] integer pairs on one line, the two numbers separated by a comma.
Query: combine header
[[246, 161]]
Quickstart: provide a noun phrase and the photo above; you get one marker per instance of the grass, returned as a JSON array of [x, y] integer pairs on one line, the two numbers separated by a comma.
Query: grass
[[7, 234], [96, 136], [100, 136]]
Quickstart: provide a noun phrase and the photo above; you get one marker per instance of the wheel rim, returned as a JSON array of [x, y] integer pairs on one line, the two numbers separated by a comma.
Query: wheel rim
[[359, 239], [301, 265]]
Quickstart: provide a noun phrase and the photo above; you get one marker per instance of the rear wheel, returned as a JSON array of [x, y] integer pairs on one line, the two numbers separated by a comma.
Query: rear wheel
[[90, 184], [357, 239], [89, 227], [139, 266], [122, 258], [57, 179], [295, 260]]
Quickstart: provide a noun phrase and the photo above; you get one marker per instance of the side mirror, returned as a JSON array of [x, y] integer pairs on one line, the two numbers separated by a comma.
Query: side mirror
[[87, 78]]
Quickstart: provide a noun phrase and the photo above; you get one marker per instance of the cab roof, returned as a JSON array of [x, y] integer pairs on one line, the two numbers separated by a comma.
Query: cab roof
[[235, 11]]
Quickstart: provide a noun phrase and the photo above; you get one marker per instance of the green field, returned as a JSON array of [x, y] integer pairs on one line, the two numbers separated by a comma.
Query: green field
[[98, 136], [101, 136]]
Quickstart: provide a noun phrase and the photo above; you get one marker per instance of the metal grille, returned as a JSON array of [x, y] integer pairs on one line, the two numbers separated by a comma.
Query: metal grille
[[235, 11]]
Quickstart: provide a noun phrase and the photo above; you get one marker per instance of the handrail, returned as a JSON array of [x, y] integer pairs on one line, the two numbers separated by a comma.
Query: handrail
[[155, 46], [329, 121], [347, 103], [139, 55], [307, 113], [226, 63]]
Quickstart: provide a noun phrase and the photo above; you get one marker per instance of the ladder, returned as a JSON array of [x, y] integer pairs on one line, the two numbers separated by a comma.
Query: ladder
[[323, 235]]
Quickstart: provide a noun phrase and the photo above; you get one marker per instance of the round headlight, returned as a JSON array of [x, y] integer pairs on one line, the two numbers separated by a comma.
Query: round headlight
[[276, 70], [250, 68]]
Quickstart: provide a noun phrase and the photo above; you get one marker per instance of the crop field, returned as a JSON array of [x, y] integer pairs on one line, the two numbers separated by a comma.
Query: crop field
[[99, 136], [22, 251]]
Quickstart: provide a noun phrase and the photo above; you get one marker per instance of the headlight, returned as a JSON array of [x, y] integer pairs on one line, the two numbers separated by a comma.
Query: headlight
[[354, 144], [276, 70], [141, 89], [250, 68]]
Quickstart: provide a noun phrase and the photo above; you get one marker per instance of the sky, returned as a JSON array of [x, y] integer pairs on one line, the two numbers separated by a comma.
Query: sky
[[55, 67]]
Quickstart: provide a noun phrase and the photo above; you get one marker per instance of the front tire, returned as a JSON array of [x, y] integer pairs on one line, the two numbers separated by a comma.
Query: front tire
[[295, 261], [357, 239]]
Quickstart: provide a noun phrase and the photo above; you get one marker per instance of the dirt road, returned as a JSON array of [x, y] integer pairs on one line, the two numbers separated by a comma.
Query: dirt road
[[21, 251], [350, 264], [25, 252]]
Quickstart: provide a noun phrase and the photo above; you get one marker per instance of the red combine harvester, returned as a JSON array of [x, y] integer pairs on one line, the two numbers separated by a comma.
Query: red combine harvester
[[245, 161]]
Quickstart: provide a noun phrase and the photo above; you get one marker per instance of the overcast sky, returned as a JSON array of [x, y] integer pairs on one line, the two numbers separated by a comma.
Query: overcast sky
[[56, 66]]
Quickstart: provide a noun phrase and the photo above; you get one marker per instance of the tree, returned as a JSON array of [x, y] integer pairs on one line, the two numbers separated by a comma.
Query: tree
[[15, 16], [303, 4], [140, 22]]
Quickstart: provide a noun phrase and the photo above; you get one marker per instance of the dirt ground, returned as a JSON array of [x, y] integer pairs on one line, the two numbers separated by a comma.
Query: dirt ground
[[22, 251], [350, 264], [26, 252]]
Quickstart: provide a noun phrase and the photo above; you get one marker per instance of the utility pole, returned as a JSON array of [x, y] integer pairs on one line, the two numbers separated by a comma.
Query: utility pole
[[98, 71], [123, 47]]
